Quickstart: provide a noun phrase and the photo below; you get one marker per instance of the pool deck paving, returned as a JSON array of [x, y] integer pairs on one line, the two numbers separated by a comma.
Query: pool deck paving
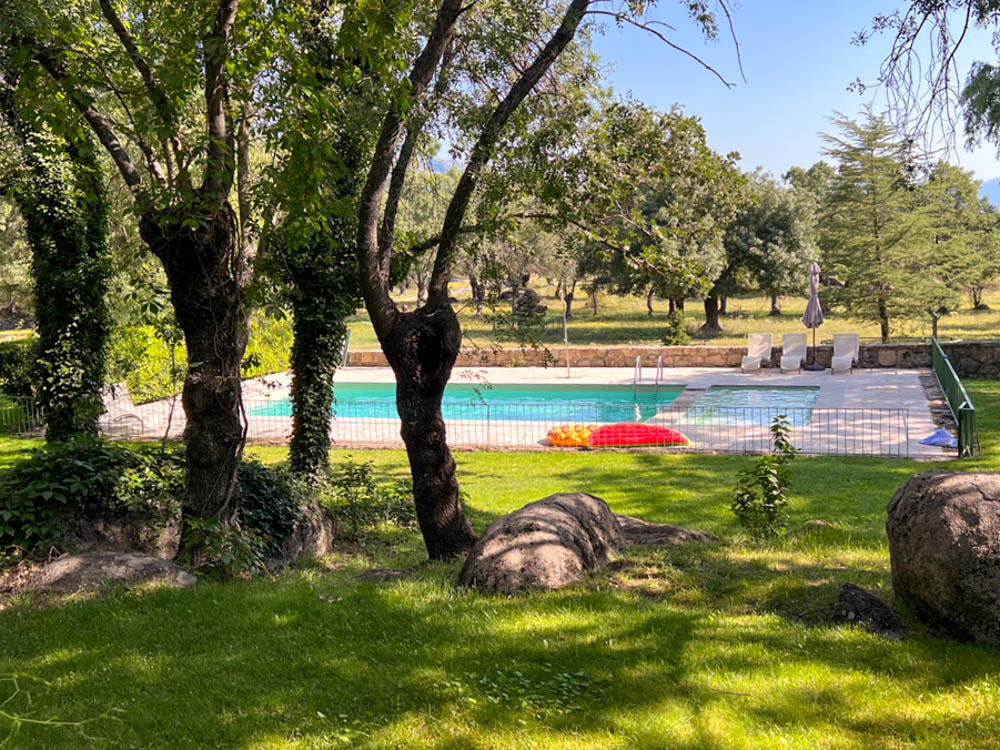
[[867, 412]]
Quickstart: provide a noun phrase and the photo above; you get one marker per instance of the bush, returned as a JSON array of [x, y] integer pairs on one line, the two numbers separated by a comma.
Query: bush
[[676, 332], [269, 505], [140, 357], [17, 359], [761, 492], [359, 500], [96, 477]]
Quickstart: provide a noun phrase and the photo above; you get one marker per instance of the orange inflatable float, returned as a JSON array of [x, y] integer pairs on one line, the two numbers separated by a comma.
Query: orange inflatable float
[[570, 435]]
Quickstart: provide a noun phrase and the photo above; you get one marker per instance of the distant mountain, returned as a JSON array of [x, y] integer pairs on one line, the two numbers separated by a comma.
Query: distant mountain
[[444, 165], [991, 191]]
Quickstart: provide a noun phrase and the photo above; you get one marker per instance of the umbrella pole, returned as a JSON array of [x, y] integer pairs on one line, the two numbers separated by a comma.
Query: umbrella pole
[[814, 366]]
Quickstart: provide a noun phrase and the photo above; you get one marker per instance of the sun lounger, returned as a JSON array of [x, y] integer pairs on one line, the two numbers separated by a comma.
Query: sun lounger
[[793, 351], [845, 352], [758, 349], [119, 411]]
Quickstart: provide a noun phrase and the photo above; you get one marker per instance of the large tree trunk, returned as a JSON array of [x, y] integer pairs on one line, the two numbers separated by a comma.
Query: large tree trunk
[[205, 269], [711, 314], [421, 348]]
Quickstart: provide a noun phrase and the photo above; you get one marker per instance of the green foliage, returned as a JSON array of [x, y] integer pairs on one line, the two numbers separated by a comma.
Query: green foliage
[[761, 491], [676, 332], [17, 360], [152, 363], [874, 233], [269, 503], [61, 196], [357, 498], [223, 551], [92, 476]]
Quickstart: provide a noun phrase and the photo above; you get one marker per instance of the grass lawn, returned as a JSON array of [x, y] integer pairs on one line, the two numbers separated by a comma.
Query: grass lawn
[[718, 646], [624, 320]]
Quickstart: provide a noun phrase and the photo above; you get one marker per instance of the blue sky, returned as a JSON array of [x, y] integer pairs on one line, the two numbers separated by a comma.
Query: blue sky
[[798, 59]]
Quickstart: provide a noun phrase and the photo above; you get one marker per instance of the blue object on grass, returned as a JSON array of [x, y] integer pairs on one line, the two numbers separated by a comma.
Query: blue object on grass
[[941, 438]]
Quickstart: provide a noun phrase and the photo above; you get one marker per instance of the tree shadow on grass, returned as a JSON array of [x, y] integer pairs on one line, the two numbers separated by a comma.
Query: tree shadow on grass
[[318, 663]]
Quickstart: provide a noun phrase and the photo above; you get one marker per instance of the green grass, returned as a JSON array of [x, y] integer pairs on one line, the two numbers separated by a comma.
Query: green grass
[[718, 646], [624, 320]]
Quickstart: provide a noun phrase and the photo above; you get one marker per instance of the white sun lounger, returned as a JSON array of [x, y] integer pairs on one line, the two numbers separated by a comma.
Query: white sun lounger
[[119, 411], [758, 349], [793, 351], [845, 352]]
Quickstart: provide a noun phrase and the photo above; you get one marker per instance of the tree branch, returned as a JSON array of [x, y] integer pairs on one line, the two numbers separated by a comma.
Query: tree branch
[[399, 170], [622, 18], [483, 150], [374, 284], [219, 166], [156, 94], [98, 123]]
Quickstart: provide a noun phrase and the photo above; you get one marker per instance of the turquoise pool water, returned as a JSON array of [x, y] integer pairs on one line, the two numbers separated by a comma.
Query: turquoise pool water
[[532, 403], [754, 404]]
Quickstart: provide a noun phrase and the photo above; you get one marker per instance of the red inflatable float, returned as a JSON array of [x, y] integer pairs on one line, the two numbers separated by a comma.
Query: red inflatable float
[[633, 433]]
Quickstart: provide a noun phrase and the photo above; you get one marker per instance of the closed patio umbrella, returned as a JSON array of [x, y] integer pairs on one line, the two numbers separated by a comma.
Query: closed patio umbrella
[[813, 316]]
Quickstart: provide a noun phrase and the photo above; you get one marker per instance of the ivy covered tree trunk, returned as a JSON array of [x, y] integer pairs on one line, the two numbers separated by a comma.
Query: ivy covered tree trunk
[[205, 268], [65, 211], [421, 348]]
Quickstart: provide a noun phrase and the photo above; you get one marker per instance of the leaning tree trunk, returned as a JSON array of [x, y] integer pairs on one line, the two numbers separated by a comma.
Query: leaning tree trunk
[[421, 347], [649, 303], [205, 268], [711, 314]]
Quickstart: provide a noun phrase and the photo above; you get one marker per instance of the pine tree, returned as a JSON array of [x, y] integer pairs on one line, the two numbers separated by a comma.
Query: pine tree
[[874, 235]]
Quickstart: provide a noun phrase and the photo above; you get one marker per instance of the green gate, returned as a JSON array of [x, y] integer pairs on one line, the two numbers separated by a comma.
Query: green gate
[[958, 401]]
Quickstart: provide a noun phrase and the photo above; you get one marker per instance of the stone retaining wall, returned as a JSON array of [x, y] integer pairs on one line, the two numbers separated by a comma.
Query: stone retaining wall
[[970, 358]]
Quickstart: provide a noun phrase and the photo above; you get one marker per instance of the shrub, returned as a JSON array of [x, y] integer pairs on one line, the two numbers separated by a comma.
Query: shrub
[[99, 478], [761, 492], [269, 504], [140, 356], [676, 332], [17, 360], [358, 499], [223, 551]]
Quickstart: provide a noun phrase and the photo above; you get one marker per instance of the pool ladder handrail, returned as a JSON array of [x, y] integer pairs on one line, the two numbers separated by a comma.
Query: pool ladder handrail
[[637, 373], [659, 371]]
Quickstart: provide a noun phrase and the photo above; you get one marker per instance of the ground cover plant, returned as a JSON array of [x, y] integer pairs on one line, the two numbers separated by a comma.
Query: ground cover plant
[[723, 646]]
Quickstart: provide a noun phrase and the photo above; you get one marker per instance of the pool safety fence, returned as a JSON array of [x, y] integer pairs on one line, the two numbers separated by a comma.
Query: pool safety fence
[[524, 426], [958, 399]]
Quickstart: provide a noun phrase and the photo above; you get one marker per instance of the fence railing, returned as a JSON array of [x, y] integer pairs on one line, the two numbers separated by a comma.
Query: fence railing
[[958, 399], [524, 426]]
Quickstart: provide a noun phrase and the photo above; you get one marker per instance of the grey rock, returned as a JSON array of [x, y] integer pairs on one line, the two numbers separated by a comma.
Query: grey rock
[[855, 606], [148, 533], [641, 532], [90, 571], [944, 546], [549, 543], [313, 535]]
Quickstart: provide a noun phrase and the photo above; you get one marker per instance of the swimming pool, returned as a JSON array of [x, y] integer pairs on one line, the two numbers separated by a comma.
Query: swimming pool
[[754, 404], [531, 403]]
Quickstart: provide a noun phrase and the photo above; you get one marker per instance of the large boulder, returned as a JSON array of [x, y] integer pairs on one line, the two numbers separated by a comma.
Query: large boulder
[[90, 571], [549, 543], [944, 544]]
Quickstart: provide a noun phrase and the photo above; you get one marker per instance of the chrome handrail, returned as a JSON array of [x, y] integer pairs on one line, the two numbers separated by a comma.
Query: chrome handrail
[[637, 374]]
